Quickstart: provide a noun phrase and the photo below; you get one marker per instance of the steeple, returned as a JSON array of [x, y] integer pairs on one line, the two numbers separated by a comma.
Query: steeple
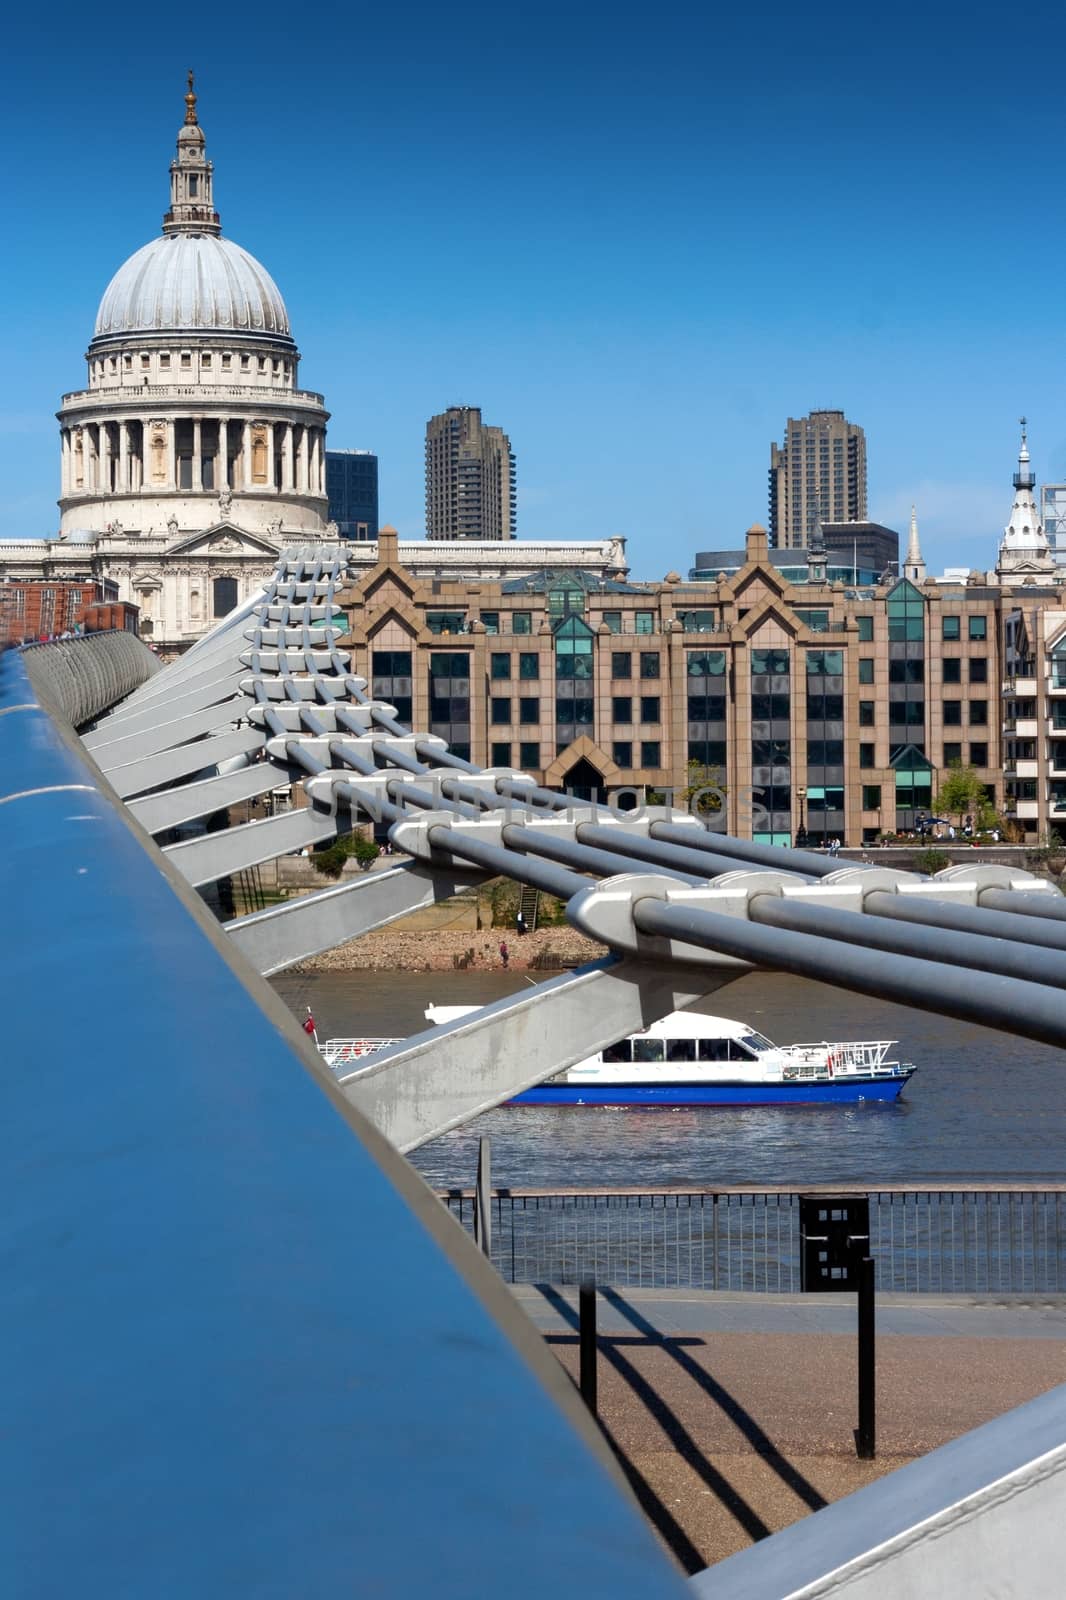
[[817, 556], [191, 206], [913, 565], [1024, 552]]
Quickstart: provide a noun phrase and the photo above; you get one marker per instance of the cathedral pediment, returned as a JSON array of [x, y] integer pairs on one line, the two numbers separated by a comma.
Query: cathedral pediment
[[224, 539]]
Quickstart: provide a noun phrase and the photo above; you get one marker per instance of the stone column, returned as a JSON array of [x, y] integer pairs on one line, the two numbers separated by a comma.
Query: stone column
[[64, 450], [197, 457], [172, 455], [222, 459], [301, 462], [104, 459], [124, 484], [246, 454], [288, 479], [272, 479]]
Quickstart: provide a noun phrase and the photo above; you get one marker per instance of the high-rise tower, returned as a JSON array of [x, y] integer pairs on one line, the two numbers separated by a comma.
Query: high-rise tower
[[817, 475], [470, 477]]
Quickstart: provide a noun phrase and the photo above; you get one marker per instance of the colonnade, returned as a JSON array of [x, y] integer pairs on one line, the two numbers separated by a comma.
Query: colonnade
[[131, 455]]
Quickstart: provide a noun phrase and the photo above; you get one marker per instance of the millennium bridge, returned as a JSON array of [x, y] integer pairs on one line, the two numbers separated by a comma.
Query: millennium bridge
[[247, 1350]]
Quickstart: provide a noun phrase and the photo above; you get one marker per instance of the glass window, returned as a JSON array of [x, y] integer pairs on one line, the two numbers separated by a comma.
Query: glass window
[[906, 672], [866, 713], [529, 755], [705, 664], [621, 664], [648, 1050], [714, 1049], [979, 755], [529, 711], [622, 708], [224, 596], [952, 670], [953, 755], [978, 669], [866, 629], [501, 755], [439, 622], [953, 713], [521, 622], [501, 712], [978, 627], [680, 1049], [501, 664], [622, 753], [613, 619], [825, 663], [528, 664], [649, 708], [773, 663], [644, 622], [866, 756], [491, 621], [978, 713], [949, 628], [871, 796], [906, 612], [649, 663], [622, 1051], [866, 669], [649, 753], [817, 621]]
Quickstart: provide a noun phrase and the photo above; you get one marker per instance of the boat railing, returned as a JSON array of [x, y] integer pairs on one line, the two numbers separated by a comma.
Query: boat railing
[[337, 1052], [853, 1055]]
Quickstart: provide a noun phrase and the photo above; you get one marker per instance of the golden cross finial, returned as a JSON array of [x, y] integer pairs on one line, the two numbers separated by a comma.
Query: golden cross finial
[[190, 103]]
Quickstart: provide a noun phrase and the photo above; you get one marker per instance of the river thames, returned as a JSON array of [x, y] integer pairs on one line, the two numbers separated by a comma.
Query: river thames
[[983, 1107]]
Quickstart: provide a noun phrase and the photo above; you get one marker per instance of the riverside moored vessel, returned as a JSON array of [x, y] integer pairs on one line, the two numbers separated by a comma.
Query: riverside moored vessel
[[692, 1060]]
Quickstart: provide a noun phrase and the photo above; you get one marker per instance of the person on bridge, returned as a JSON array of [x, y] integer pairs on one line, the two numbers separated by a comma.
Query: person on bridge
[[520, 924]]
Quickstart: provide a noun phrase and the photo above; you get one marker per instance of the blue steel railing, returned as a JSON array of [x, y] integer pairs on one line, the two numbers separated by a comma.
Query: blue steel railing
[[924, 1241], [245, 1351]]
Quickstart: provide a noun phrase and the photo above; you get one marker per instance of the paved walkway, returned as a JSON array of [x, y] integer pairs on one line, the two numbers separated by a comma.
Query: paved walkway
[[734, 1413]]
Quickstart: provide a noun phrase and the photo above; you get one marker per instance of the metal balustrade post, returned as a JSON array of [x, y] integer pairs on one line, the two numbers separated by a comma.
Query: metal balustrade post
[[483, 1198], [866, 1432], [586, 1302]]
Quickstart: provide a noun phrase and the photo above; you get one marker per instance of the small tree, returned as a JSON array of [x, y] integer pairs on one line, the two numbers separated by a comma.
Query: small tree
[[962, 793], [705, 793]]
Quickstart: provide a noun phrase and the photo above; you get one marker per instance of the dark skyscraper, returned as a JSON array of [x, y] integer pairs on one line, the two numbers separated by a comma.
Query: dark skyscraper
[[352, 487], [817, 475], [470, 477]]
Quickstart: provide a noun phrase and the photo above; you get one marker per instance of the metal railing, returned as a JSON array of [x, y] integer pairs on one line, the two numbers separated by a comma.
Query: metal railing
[[925, 1241]]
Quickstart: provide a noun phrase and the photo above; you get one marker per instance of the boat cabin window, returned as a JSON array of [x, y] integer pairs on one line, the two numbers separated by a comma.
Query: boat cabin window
[[724, 1050], [647, 1049], [622, 1051], [756, 1042], [680, 1049]]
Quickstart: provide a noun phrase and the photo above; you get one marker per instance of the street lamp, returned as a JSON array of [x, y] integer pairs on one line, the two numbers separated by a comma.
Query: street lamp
[[801, 831]]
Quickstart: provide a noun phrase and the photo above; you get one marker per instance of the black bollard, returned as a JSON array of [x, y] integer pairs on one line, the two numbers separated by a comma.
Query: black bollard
[[866, 1432], [586, 1300]]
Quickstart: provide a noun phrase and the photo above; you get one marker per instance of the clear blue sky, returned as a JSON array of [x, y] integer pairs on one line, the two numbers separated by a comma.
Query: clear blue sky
[[638, 238]]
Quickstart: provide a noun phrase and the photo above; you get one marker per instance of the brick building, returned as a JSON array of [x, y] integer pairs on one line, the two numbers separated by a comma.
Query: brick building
[[839, 709], [40, 610]]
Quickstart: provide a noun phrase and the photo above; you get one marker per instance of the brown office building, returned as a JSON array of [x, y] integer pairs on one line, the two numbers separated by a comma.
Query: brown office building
[[838, 709]]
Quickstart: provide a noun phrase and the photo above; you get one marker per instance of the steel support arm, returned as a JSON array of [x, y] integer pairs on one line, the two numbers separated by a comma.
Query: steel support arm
[[970, 950], [277, 938], [934, 913], [1052, 907], [165, 735], [170, 765], [216, 855], [442, 1078], [1028, 1009], [157, 812]]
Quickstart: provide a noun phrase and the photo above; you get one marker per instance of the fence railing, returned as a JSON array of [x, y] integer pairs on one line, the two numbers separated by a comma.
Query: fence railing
[[925, 1241]]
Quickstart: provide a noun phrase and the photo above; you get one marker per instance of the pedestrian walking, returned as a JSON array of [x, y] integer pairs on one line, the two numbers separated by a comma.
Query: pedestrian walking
[[520, 925], [504, 953]]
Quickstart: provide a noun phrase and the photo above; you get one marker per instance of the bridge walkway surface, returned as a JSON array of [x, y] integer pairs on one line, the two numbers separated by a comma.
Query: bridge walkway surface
[[733, 1414]]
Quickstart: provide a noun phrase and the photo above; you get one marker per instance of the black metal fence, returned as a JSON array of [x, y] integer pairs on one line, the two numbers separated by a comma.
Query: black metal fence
[[925, 1241]]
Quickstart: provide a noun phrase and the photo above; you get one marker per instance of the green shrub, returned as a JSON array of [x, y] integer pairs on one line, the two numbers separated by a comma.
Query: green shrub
[[330, 862], [931, 861]]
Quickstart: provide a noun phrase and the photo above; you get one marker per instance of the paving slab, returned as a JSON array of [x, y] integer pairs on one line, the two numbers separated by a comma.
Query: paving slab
[[734, 1415]]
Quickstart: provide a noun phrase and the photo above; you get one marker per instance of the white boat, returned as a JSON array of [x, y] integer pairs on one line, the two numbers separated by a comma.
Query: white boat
[[688, 1059]]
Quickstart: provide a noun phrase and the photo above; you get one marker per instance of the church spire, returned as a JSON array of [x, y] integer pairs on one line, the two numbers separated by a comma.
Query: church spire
[[913, 565], [1024, 552], [191, 177]]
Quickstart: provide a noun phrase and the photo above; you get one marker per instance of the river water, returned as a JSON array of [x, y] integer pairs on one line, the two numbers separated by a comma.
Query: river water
[[983, 1107]]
